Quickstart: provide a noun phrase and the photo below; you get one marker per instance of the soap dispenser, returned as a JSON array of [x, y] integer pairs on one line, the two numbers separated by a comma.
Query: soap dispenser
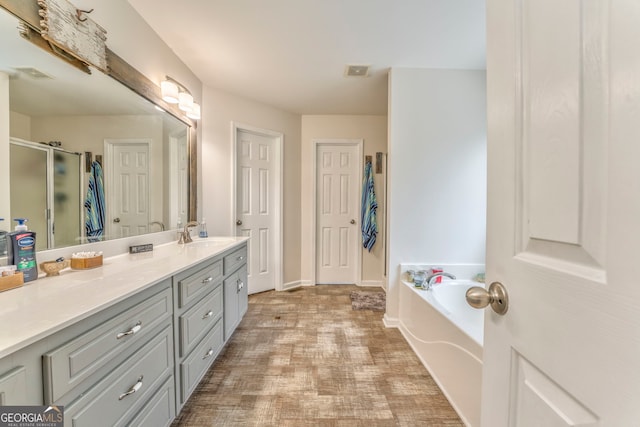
[[203, 229]]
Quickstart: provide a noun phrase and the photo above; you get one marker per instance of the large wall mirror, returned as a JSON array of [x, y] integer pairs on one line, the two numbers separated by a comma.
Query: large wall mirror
[[61, 120]]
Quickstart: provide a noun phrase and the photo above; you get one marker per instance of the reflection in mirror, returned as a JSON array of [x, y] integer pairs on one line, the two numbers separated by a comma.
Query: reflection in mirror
[[61, 120]]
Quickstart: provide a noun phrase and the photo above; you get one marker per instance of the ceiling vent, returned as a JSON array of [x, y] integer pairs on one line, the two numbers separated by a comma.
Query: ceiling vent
[[357, 71], [32, 72]]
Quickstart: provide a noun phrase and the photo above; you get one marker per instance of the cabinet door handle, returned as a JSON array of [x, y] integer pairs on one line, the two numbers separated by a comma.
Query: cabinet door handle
[[240, 285], [208, 354], [131, 331], [207, 314], [133, 388], [208, 280]]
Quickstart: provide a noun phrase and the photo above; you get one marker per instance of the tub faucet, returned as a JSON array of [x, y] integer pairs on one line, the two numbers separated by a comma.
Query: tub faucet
[[185, 235], [428, 282]]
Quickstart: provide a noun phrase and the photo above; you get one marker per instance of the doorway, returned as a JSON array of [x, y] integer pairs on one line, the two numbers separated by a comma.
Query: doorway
[[257, 209], [127, 186], [338, 175]]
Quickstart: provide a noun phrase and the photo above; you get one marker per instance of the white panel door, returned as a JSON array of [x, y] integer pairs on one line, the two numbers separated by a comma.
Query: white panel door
[[563, 213], [128, 200], [256, 184], [337, 213]]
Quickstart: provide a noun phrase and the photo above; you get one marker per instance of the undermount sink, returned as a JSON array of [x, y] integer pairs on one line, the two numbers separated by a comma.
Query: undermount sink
[[212, 241]]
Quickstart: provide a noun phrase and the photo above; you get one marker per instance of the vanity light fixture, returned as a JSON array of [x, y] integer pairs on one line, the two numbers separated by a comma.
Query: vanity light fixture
[[174, 92]]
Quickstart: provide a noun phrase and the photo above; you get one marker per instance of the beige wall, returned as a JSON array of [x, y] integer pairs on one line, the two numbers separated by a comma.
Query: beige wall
[[220, 109], [371, 129], [20, 126]]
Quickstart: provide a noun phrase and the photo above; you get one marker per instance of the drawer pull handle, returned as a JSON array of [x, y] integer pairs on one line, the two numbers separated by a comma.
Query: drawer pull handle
[[131, 331], [207, 314], [133, 389], [208, 354], [240, 258], [208, 279]]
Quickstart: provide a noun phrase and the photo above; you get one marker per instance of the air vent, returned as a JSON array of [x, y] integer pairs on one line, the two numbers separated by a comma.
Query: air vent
[[32, 72], [357, 70]]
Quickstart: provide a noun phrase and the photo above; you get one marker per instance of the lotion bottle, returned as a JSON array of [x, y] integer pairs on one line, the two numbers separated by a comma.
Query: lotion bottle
[[21, 250]]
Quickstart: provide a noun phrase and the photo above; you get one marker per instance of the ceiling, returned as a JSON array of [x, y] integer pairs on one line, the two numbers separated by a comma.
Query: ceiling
[[292, 54]]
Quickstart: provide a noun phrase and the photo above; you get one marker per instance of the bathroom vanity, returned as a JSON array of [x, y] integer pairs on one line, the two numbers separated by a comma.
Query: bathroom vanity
[[125, 343]]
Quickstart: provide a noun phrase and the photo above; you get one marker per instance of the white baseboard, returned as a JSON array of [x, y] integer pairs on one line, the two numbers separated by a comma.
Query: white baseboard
[[390, 322], [372, 284], [293, 285]]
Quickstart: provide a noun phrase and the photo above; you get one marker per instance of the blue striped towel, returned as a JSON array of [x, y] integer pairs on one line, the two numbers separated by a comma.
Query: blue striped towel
[[368, 219], [94, 204]]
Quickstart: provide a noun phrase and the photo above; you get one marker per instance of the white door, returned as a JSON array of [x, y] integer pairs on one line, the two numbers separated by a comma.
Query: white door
[[337, 213], [128, 192], [563, 213], [258, 206]]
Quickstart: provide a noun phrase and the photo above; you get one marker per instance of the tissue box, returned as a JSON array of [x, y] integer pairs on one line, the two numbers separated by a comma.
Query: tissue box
[[86, 263]]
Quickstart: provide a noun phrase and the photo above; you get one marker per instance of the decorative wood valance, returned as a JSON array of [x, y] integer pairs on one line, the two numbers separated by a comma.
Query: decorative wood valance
[[70, 29]]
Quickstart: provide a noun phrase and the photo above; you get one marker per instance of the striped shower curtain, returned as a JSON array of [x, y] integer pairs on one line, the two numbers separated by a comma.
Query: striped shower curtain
[[368, 219]]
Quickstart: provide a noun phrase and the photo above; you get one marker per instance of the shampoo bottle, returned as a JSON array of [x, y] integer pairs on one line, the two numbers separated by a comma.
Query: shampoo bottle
[[21, 248]]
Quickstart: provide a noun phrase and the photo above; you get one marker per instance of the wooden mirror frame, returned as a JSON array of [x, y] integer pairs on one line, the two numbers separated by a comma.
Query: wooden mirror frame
[[123, 72]]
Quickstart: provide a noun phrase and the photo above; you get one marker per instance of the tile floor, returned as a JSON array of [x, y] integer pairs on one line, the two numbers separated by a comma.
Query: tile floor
[[305, 358]]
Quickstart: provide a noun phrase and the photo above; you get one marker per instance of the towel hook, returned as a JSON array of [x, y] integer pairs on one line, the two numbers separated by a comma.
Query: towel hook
[[79, 13]]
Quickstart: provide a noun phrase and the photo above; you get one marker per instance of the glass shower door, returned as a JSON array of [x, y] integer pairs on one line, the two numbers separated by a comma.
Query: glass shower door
[[66, 198], [28, 174]]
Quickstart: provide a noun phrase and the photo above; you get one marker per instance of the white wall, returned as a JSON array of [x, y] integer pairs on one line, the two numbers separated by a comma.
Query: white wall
[[220, 109], [437, 170], [371, 129]]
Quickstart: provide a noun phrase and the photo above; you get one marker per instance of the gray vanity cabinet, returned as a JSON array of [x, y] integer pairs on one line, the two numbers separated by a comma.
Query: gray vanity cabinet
[[235, 300], [137, 361], [114, 365], [201, 316], [198, 323]]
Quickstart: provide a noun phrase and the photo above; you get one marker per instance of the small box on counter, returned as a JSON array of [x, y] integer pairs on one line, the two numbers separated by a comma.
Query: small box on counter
[[84, 261], [12, 281]]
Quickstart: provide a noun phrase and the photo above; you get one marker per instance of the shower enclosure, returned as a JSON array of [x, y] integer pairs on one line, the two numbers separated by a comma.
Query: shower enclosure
[[46, 188]]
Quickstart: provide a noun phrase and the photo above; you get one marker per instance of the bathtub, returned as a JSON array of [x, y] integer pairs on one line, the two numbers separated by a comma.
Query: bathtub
[[447, 335]]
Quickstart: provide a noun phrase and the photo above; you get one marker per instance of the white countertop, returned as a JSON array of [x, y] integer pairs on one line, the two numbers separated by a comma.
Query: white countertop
[[49, 304]]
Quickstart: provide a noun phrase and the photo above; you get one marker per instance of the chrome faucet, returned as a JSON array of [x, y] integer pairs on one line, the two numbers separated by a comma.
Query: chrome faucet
[[185, 235], [157, 223], [428, 282]]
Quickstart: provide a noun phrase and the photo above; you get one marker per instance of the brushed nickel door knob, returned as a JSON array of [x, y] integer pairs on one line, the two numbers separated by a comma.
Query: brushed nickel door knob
[[496, 296], [239, 222]]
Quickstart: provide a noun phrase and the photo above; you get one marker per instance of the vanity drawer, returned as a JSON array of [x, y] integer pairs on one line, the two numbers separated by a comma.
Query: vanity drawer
[[235, 259], [192, 284], [119, 396], [197, 321], [75, 361], [197, 363], [160, 410], [13, 387]]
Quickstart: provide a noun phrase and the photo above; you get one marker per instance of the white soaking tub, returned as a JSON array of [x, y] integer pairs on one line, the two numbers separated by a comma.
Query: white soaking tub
[[447, 335]]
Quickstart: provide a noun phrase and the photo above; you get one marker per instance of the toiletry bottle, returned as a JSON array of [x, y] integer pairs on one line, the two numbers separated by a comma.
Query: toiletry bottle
[[203, 229], [3, 241], [21, 250]]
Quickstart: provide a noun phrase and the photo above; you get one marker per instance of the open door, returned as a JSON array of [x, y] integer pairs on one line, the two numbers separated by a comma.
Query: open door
[[563, 213]]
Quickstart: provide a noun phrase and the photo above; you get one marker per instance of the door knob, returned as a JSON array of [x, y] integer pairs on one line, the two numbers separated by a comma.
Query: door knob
[[496, 296], [353, 221], [116, 219], [239, 222]]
